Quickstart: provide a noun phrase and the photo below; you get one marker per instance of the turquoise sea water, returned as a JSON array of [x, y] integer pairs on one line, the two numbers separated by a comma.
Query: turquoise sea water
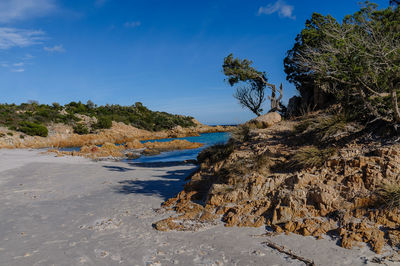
[[208, 139]]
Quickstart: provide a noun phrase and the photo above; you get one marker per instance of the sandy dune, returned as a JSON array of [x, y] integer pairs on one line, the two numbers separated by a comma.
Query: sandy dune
[[72, 211]]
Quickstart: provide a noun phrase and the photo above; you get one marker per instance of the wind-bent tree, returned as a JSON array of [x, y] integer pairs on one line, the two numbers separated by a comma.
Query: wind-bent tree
[[251, 94], [359, 59]]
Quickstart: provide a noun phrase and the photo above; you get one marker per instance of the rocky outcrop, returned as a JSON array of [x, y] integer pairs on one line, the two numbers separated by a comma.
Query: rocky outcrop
[[176, 144], [95, 152], [266, 120], [120, 151], [61, 135], [255, 186], [134, 144]]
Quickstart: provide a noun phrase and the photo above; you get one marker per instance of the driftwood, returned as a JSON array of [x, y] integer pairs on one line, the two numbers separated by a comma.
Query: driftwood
[[288, 252]]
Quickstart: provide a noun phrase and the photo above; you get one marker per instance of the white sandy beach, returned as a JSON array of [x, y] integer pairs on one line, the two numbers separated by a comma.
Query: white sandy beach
[[72, 211]]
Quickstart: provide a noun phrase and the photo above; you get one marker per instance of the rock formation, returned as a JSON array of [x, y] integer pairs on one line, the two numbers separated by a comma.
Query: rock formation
[[61, 135], [256, 185]]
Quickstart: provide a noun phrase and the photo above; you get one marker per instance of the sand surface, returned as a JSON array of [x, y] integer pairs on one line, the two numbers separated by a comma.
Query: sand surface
[[72, 211]]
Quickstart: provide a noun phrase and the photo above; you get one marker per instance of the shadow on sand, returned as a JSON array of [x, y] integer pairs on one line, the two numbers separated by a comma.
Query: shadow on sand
[[165, 186]]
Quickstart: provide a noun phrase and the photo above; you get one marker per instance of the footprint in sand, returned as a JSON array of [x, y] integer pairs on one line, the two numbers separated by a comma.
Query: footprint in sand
[[103, 224]]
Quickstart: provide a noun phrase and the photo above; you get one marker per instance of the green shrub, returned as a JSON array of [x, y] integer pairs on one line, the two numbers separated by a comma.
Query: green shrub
[[33, 129], [329, 126], [2, 135], [137, 115], [81, 129], [103, 122], [10, 133]]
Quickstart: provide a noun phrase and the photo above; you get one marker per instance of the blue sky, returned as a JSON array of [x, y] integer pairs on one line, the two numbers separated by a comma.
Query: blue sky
[[166, 54]]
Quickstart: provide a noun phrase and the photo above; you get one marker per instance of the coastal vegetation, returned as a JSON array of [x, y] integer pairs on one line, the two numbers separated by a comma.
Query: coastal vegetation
[[353, 63], [32, 118], [332, 165], [252, 85]]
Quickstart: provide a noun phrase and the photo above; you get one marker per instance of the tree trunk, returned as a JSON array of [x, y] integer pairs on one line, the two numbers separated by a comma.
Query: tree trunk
[[368, 104], [395, 106]]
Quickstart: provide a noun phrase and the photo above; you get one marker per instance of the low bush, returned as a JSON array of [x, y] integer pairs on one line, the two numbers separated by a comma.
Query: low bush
[[103, 122], [215, 153], [33, 129], [81, 129], [308, 157], [241, 133], [389, 196]]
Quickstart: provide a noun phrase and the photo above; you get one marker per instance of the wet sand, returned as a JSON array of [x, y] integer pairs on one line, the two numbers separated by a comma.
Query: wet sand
[[73, 211]]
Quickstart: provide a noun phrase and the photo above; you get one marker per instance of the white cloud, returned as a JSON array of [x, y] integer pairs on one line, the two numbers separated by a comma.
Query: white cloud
[[27, 57], [132, 24], [12, 37], [18, 70], [12, 10], [284, 10], [55, 49], [19, 64]]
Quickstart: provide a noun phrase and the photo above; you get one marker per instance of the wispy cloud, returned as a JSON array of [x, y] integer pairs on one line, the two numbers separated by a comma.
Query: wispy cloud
[[284, 10], [12, 37], [27, 57], [55, 49], [13, 10], [18, 70], [132, 24], [19, 64]]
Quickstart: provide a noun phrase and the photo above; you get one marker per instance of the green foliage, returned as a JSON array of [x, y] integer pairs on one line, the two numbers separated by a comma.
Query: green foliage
[[81, 129], [356, 60], [308, 157], [215, 153], [238, 70], [103, 122], [33, 129], [252, 94], [137, 115]]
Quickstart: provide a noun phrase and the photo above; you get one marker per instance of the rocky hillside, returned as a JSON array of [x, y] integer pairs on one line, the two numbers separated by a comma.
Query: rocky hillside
[[315, 176], [34, 125], [61, 135]]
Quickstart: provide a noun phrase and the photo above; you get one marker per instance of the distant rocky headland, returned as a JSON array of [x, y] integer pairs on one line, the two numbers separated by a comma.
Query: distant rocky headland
[[33, 125]]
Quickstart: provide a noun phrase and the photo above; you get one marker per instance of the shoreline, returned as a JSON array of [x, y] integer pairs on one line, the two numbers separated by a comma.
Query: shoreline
[[60, 137]]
